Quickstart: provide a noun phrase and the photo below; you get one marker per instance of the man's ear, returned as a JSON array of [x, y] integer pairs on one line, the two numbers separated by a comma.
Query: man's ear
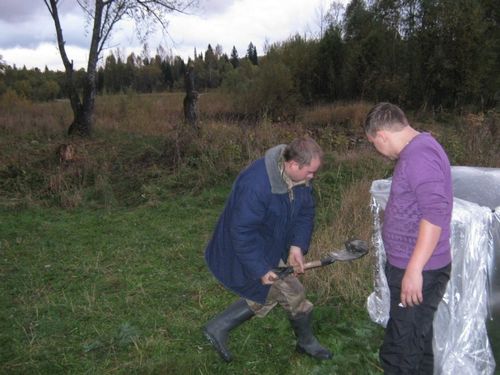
[[293, 163], [289, 165], [383, 135]]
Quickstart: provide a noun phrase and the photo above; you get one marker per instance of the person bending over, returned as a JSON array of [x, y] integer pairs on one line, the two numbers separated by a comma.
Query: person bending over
[[267, 222]]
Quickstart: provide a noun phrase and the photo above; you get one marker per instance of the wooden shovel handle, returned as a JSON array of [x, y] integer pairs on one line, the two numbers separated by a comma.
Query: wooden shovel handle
[[312, 264], [288, 270]]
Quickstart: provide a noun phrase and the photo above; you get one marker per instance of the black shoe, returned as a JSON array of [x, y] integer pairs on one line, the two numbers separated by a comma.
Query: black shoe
[[217, 329], [306, 342]]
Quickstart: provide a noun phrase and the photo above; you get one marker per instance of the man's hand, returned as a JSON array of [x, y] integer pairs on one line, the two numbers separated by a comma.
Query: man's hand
[[296, 259], [269, 278], [411, 288]]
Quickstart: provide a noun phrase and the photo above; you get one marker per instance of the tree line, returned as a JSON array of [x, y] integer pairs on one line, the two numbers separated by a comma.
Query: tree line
[[133, 73], [431, 53]]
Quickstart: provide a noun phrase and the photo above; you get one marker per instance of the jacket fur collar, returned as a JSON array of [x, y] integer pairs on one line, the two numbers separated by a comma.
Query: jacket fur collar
[[272, 159]]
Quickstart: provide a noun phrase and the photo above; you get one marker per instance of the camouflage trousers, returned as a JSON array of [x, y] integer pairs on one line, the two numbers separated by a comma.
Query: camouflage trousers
[[289, 293]]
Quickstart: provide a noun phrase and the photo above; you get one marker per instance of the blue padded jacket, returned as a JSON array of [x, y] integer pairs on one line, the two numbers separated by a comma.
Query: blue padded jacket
[[259, 223]]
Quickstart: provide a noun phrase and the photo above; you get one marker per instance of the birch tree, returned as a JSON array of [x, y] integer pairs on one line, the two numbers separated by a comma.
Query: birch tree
[[104, 15]]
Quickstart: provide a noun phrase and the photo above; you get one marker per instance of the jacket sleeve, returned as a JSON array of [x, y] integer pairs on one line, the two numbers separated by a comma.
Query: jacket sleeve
[[304, 223], [245, 229]]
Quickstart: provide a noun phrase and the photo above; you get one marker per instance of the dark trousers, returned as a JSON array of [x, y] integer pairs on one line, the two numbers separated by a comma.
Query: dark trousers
[[407, 346]]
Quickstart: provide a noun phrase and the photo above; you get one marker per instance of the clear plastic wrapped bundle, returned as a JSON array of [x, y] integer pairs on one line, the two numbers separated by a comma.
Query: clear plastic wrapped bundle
[[468, 317]]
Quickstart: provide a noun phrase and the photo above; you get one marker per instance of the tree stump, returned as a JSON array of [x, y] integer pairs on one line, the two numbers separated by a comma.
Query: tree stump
[[191, 99], [66, 153]]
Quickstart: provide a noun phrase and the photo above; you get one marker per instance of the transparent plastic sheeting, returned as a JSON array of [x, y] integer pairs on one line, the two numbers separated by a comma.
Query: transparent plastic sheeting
[[461, 341]]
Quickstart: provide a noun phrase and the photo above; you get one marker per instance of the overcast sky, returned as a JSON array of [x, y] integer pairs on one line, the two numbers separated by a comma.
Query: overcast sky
[[28, 38]]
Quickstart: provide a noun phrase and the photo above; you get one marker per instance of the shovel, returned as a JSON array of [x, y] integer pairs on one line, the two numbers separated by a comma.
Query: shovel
[[353, 249]]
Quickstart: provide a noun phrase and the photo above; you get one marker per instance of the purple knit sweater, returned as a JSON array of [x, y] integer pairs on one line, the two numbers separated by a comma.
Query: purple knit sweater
[[421, 189]]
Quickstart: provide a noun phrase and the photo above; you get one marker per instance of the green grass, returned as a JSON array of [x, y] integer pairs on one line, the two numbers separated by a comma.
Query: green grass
[[127, 291], [101, 258]]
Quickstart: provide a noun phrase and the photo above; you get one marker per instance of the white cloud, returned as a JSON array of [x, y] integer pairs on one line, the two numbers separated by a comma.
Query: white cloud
[[257, 21], [209, 7], [28, 38], [45, 54]]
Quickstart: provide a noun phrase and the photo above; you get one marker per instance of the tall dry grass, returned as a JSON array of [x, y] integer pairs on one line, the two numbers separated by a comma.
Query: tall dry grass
[[152, 114], [349, 115], [349, 281], [345, 215]]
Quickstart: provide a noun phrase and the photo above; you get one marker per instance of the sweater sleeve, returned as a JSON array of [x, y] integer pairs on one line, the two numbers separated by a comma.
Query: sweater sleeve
[[427, 180]]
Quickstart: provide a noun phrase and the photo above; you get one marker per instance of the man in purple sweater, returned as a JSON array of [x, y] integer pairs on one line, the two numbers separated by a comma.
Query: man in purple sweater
[[416, 235]]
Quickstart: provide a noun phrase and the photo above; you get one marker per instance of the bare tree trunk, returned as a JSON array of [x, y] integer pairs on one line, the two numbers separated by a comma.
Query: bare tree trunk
[[82, 124], [83, 107], [83, 110], [105, 14], [191, 99]]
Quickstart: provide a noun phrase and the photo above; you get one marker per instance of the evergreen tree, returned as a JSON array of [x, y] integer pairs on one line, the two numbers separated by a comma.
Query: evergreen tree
[[252, 54], [178, 72], [358, 23], [234, 60], [168, 76], [211, 74], [331, 58], [111, 79]]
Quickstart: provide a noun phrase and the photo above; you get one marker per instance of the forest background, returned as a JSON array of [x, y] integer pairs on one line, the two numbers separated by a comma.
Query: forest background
[[102, 237], [431, 54]]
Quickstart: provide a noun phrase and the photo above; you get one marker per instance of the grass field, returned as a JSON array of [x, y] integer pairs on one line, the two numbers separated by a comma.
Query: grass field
[[126, 291], [101, 258]]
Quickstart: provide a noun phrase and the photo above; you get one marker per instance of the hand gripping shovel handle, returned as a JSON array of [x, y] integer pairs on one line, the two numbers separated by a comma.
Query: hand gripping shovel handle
[[354, 249], [282, 272]]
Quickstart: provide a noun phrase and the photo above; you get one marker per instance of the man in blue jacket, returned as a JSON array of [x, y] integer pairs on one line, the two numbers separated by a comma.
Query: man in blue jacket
[[267, 222]]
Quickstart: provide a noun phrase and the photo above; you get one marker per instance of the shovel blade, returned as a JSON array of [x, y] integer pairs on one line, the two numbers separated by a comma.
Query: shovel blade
[[353, 249]]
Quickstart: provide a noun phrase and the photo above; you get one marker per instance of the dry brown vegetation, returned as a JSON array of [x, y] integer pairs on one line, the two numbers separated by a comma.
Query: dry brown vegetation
[[142, 153]]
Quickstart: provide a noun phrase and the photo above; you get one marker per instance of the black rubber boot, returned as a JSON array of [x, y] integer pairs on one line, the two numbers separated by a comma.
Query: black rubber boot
[[306, 342], [217, 329]]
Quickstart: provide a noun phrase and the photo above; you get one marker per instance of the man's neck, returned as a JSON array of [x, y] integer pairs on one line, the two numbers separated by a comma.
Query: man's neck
[[408, 134]]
